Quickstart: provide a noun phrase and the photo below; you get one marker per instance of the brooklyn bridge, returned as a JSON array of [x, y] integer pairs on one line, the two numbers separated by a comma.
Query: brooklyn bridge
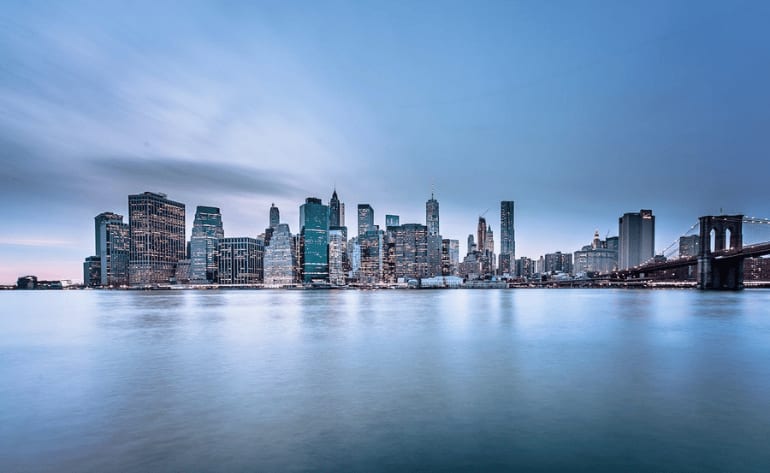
[[718, 263]]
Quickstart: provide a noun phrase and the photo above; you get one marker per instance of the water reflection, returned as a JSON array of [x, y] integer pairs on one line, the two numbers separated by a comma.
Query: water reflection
[[384, 380]]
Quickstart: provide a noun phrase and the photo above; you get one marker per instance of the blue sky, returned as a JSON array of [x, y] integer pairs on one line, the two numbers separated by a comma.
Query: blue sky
[[578, 111]]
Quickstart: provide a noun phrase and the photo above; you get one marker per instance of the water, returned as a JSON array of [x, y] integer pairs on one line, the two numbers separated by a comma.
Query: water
[[591, 380]]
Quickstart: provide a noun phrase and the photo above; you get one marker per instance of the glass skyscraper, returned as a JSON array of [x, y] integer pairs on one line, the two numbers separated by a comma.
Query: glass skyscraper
[[412, 251], [157, 234], [112, 249], [636, 243], [365, 219], [507, 238], [314, 224], [206, 232], [431, 216], [280, 260]]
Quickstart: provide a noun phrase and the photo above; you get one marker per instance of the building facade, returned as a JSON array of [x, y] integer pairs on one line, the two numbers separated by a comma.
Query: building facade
[[157, 238], [507, 238], [636, 238], [280, 260], [240, 261], [337, 256], [365, 218], [206, 232], [411, 251], [597, 257], [314, 232], [112, 246]]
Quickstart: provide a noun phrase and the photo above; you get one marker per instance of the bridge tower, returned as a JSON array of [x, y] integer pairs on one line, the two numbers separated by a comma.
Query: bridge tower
[[721, 268]]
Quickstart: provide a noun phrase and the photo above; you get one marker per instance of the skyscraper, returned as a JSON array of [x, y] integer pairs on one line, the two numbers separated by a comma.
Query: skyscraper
[[206, 232], [112, 249], [314, 225], [275, 216], [481, 234], [280, 260], [335, 219], [507, 238], [240, 260], [371, 268], [157, 233], [431, 216], [412, 251], [636, 243], [337, 248], [365, 219], [450, 257]]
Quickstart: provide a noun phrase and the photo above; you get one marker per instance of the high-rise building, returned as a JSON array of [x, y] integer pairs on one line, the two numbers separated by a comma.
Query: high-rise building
[[354, 258], [689, 246], [412, 251], [434, 255], [471, 244], [240, 260], [157, 238], [335, 211], [507, 238], [206, 232], [636, 238], [275, 216], [481, 234], [450, 257], [337, 248], [392, 221], [112, 249], [431, 216], [280, 259], [365, 218], [314, 231], [371, 244]]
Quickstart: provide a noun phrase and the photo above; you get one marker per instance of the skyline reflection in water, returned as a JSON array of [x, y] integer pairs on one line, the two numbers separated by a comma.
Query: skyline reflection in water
[[667, 380]]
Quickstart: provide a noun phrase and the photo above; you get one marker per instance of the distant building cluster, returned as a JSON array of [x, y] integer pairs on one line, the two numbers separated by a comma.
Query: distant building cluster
[[151, 250]]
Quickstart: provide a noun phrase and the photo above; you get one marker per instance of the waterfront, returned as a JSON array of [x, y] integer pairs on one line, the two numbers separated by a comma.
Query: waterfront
[[614, 380]]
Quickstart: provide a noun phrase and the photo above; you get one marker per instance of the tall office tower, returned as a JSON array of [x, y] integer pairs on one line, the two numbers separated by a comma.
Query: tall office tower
[[342, 214], [206, 232], [240, 260], [314, 230], [275, 216], [334, 211], [471, 244], [689, 246], [450, 257], [507, 238], [431, 216], [112, 249], [481, 234], [411, 251], [354, 258], [434, 255], [280, 260], [365, 218], [636, 238], [337, 248], [157, 233], [391, 221], [489, 251], [371, 244]]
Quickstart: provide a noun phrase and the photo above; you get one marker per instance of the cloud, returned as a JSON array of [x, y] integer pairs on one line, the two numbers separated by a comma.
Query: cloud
[[209, 177]]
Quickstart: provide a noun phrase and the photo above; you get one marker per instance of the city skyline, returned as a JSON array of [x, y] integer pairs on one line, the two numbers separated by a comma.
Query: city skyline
[[577, 114]]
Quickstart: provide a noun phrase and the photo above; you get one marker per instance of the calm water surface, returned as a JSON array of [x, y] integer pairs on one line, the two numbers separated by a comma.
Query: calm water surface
[[385, 381]]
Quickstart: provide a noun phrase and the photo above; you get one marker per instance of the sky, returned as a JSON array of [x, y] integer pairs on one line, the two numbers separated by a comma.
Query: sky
[[577, 111]]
